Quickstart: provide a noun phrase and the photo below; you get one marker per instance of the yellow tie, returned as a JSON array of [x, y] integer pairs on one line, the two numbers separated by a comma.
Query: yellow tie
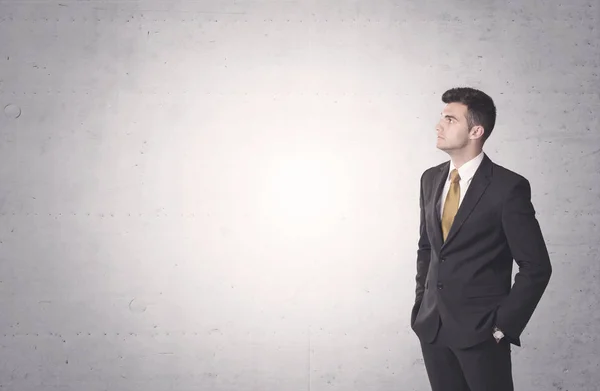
[[451, 203]]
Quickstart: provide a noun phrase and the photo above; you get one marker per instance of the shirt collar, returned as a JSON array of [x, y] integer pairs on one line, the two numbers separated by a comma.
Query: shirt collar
[[467, 170]]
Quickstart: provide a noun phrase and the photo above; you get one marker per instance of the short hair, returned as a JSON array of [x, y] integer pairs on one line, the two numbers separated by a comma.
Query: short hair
[[480, 107]]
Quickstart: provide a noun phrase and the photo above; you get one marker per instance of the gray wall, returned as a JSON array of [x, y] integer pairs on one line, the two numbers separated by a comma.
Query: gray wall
[[201, 195]]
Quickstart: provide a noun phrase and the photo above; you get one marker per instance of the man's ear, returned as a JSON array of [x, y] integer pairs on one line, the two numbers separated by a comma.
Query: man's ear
[[477, 132]]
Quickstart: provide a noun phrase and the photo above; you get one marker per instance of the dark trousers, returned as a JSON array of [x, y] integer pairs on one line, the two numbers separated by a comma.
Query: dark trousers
[[483, 367]]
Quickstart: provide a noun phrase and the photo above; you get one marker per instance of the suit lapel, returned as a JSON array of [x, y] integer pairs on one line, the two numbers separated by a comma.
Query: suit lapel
[[479, 183], [440, 180]]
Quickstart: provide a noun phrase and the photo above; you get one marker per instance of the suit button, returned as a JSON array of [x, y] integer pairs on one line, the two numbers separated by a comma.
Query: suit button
[[442, 259], [440, 285]]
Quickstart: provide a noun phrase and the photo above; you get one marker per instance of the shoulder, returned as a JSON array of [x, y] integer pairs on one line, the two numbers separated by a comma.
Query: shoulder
[[510, 185], [508, 178], [431, 172]]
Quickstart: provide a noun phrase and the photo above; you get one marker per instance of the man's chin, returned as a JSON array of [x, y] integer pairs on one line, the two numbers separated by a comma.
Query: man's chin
[[444, 148]]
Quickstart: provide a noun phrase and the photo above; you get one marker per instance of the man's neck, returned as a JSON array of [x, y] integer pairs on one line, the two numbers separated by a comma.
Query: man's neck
[[459, 158]]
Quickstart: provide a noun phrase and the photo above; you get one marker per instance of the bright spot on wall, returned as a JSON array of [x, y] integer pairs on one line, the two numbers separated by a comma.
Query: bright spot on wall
[[305, 193]]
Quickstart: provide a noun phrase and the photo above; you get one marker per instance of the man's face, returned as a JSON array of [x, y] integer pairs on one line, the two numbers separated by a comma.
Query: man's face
[[452, 129]]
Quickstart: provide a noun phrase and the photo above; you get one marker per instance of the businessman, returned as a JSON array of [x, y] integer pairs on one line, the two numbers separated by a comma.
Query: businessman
[[476, 218]]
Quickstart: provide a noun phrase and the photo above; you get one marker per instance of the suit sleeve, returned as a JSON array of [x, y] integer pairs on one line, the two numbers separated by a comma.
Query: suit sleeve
[[529, 251], [424, 249]]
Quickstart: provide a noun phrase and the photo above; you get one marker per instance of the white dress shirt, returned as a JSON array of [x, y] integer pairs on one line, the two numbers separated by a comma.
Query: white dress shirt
[[466, 172]]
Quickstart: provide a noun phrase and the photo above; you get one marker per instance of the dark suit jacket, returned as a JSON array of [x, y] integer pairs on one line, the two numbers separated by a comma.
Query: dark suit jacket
[[466, 281]]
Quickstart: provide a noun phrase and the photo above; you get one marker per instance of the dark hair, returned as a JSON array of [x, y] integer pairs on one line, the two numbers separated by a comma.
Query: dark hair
[[480, 107]]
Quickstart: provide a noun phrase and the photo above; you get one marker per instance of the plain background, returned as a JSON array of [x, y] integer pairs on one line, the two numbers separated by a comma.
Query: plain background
[[223, 195]]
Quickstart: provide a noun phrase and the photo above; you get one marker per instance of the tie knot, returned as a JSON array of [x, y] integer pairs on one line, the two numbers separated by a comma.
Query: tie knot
[[454, 177]]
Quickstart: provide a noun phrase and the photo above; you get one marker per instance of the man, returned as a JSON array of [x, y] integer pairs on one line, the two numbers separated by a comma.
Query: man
[[476, 217]]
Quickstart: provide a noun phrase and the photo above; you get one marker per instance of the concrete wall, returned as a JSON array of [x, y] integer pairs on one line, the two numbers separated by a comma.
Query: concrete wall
[[201, 195]]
